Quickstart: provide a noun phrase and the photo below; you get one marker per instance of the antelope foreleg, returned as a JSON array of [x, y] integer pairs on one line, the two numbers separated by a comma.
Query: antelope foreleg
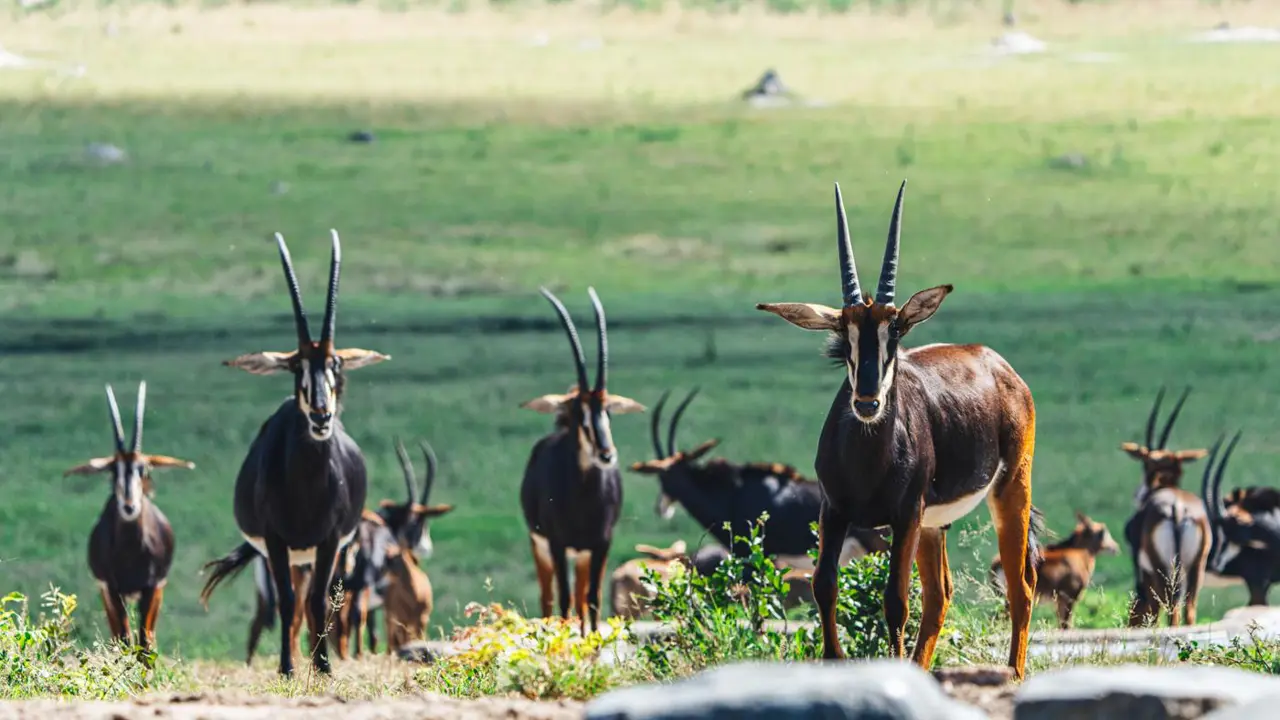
[[935, 580], [897, 592], [825, 582]]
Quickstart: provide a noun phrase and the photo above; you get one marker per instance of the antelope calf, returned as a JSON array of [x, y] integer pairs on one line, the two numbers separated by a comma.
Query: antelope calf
[[301, 489], [915, 440], [131, 545], [572, 491], [719, 492], [629, 594], [1065, 568], [407, 600], [1168, 534], [1245, 530]]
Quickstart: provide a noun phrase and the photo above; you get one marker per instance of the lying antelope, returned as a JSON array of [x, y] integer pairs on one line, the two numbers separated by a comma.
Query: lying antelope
[[1065, 568], [572, 492], [1168, 533], [301, 489], [914, 440], [629, 594], [131, 545], [1245, 530], [720, 492]]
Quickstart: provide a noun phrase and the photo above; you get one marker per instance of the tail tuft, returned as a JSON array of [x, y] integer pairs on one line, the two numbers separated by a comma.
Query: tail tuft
[[226, 567], [1035, 530]]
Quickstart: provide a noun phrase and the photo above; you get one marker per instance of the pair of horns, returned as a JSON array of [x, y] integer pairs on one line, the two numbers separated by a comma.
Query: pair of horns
[[295, 294], [1211, 493], [671, 429], [410, 482], [118, 428], [580, 359], [888, 267], [1168, 426]]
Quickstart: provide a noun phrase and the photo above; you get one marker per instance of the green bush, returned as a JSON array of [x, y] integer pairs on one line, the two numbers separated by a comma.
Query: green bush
[[1255, 653]]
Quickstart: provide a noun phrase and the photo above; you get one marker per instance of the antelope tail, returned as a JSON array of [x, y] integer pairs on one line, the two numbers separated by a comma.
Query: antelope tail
[[226, 568], [1034, 530], [1179, 579]]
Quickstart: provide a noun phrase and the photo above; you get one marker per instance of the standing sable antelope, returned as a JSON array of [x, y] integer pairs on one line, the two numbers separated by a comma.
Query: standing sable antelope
[[721, 491], [572, 490], [1066, 567], [301, 488], [1168, 534], [1246, 530], [914, 440], [131, 546]]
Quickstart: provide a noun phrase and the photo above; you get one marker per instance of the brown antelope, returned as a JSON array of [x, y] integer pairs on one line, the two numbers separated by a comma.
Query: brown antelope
[[407, 600], [914, 440], [1065, 568], [627, 590], [131, 545], [1246, 530], [572, 491], [1168, 534], [301, 489]]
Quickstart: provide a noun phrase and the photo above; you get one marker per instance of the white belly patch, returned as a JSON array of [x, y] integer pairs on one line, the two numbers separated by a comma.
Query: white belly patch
[[850, 550], [298, 556], [936, 516], [543, 550]]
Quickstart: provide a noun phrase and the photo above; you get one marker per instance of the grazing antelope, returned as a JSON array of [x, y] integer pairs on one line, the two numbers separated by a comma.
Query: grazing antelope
[[572, 491], [914, 440], [131, 545], [1168, 534], [721, 491], [1246, 530], [301, 488], [1065, 568]]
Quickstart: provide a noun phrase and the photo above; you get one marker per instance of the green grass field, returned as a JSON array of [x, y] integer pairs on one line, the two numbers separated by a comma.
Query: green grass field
[[627, 164]]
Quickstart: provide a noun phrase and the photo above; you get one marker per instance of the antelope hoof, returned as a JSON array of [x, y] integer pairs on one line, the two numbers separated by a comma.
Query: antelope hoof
[[322, 664]]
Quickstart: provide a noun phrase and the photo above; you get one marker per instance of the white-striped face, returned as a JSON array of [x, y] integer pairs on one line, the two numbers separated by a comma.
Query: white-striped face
[[871, 366], [128, 486], [318, 397]]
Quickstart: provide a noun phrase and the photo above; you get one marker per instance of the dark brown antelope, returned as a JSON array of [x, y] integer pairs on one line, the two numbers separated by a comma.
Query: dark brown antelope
[[1246, 530], [572, 490], [915, 440], [1066, 568], [301, 489], [131, 546], [1168, 534]]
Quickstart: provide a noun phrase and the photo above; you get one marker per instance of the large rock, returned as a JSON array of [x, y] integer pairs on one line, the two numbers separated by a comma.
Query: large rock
[[881, 690], [1265, 708], [1136, 692]]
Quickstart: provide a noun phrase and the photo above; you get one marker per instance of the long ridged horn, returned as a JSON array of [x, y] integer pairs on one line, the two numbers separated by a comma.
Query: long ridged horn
[[1151, 420], [602, 341], [139, 410], [1205, 482], [117, 427], [406, 466], [295, 294], [848, 270], [655, 423], [430, 480], [675, 419], [579, 360], [331, 303], [1217, 479], [889, 266], [1173, 417]]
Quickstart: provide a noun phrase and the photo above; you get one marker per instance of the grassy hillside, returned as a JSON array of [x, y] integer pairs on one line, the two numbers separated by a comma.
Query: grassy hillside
[[613, 155]]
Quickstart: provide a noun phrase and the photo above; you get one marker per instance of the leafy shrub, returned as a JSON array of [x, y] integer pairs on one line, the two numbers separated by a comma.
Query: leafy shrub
[[860, 607], [1255, 653]]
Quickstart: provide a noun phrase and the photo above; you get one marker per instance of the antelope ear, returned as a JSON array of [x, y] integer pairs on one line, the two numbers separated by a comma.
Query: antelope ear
[[370, 516], [164, 461], [355, 358], [619, 405], [678, 547], [651, 551], [1083, 519], [93, 466], [703, 449], [431, 511], [921, 307], [263, 363], [655, 467], [1136, 451], [805, 315], [550, 404], [1191, 455], [388, 504]]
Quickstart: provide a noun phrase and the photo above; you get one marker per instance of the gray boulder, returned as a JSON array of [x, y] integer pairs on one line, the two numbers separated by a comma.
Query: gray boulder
[[880, 690], [1264, 708], [1136, 692]]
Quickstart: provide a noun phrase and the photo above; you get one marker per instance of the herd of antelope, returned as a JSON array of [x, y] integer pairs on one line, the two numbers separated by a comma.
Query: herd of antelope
[[914, 440]]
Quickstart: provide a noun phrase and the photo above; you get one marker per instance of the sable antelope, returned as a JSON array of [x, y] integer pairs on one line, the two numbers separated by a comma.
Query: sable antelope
[[1168, 534], [131, 545], [1065, 568], [629, 594], [721, 491], [301, 488], [914, 440], [572, 491], [1246, 530]]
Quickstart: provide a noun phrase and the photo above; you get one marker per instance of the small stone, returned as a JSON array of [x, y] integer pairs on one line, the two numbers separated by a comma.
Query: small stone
[[279, 187], [361, 136], [1137, 692], [105, 153], [1070, 161], [769, 85]]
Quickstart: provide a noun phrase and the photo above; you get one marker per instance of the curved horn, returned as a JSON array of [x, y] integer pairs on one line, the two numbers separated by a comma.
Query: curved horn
[[430, 481], [655, 422], [299, 314], [138, 412], [1151, 420], [1217, 478], [1209, 504], [848, 270], [602, 341], [889, 266], [675, 419], [406, 466], [331, 304], [579, 361], [1173, 417], [116, 426]]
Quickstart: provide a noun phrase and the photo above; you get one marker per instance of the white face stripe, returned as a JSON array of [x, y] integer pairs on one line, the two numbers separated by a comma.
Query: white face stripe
[[128, 488], [885, 375]]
